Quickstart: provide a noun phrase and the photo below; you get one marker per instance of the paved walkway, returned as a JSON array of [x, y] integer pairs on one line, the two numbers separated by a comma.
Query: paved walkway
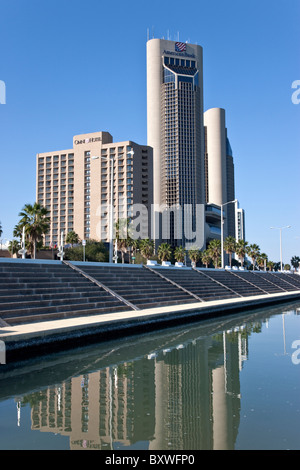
[[40, 333]]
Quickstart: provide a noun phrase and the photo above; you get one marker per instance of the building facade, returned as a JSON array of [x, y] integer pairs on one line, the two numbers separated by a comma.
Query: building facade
[[78, 186], [219, 175], [173, 188], [175, 132]]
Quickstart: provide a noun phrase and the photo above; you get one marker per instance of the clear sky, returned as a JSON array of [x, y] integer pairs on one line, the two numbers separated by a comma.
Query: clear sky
[[74, 66]]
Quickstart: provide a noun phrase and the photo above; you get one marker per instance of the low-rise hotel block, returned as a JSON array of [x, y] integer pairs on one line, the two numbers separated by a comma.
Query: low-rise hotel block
[[75, 186]]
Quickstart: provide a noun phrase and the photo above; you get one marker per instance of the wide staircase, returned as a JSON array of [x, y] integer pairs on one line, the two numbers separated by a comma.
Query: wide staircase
[[264, 284], [139, 285], [199, 283], [286, 282], [242, 287], [248, 283], [37, 292]]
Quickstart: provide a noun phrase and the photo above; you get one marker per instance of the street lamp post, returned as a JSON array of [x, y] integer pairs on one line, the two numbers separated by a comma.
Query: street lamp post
[[23, 250], [83, 247], [111, 212], [222, 230], [280, 231], [60, 253]]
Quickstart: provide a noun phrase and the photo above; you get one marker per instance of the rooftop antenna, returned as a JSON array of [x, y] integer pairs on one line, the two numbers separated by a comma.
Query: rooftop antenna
[[168, 35], [178, 36]]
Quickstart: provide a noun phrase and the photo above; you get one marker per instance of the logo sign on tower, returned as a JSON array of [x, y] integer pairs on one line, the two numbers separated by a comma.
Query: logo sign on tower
[[180, 46]]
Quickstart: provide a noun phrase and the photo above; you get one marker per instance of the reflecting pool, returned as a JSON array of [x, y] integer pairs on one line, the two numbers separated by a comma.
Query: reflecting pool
[[230, 383]]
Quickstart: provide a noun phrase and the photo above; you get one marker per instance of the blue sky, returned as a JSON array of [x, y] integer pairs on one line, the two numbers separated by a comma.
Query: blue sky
[[74, 66]]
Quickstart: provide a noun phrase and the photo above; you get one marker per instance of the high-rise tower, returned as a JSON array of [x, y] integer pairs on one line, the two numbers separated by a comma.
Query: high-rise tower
[[176, 134], [220, 188]]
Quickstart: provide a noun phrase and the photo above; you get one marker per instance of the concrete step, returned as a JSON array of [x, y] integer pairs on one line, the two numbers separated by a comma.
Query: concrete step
[[42, 275], [49, 296], [37, 285], [62, 315], [76, 299], [163, 303], [41, 280], [60, 308], [200, 284], [34, 270], [47, 291], [129, 279], [208, 297], [136, 298], [132, 289]]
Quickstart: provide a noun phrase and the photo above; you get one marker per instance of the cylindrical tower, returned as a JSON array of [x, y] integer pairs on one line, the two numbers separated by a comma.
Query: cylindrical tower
[[214, 121]]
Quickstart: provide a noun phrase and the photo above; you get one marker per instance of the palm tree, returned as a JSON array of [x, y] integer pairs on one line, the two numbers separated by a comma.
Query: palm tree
[[135, 245], [229, 247], [164, 252], [214, 250], [253, 251], [179, 254], [270, 265], [194, 255], [262, 260], [206, 258], [122, 236], [72, 238], [18, 230], [36, 220], [241, 250], [13, 247], [295, 261], [147, 248], [277, 266]]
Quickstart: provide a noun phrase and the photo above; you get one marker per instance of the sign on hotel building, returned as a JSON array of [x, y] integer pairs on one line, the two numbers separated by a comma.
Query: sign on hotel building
[[75, 185]]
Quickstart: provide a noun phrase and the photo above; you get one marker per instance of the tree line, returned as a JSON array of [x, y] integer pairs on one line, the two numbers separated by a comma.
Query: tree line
[[36, 220]]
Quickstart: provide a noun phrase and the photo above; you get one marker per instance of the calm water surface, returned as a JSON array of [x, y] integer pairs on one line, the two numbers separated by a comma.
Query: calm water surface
[[232, 383]]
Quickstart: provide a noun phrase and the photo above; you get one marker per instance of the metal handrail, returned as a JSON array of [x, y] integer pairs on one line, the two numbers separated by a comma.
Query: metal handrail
[[270, 282], [99, 284], [249, 282], [174, 284], [218, 282]]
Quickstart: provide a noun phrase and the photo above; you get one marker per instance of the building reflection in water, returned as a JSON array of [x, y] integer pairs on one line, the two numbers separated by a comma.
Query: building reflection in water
[[183, 395]]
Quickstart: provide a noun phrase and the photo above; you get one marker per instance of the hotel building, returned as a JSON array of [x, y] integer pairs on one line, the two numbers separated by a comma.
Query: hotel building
[[75, 186], [175, 132]]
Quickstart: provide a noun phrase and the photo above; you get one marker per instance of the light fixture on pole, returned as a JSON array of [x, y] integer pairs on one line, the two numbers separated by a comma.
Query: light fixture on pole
[[60, 253], [222, 230], [280, 230], [83, 247], [23, 250]]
